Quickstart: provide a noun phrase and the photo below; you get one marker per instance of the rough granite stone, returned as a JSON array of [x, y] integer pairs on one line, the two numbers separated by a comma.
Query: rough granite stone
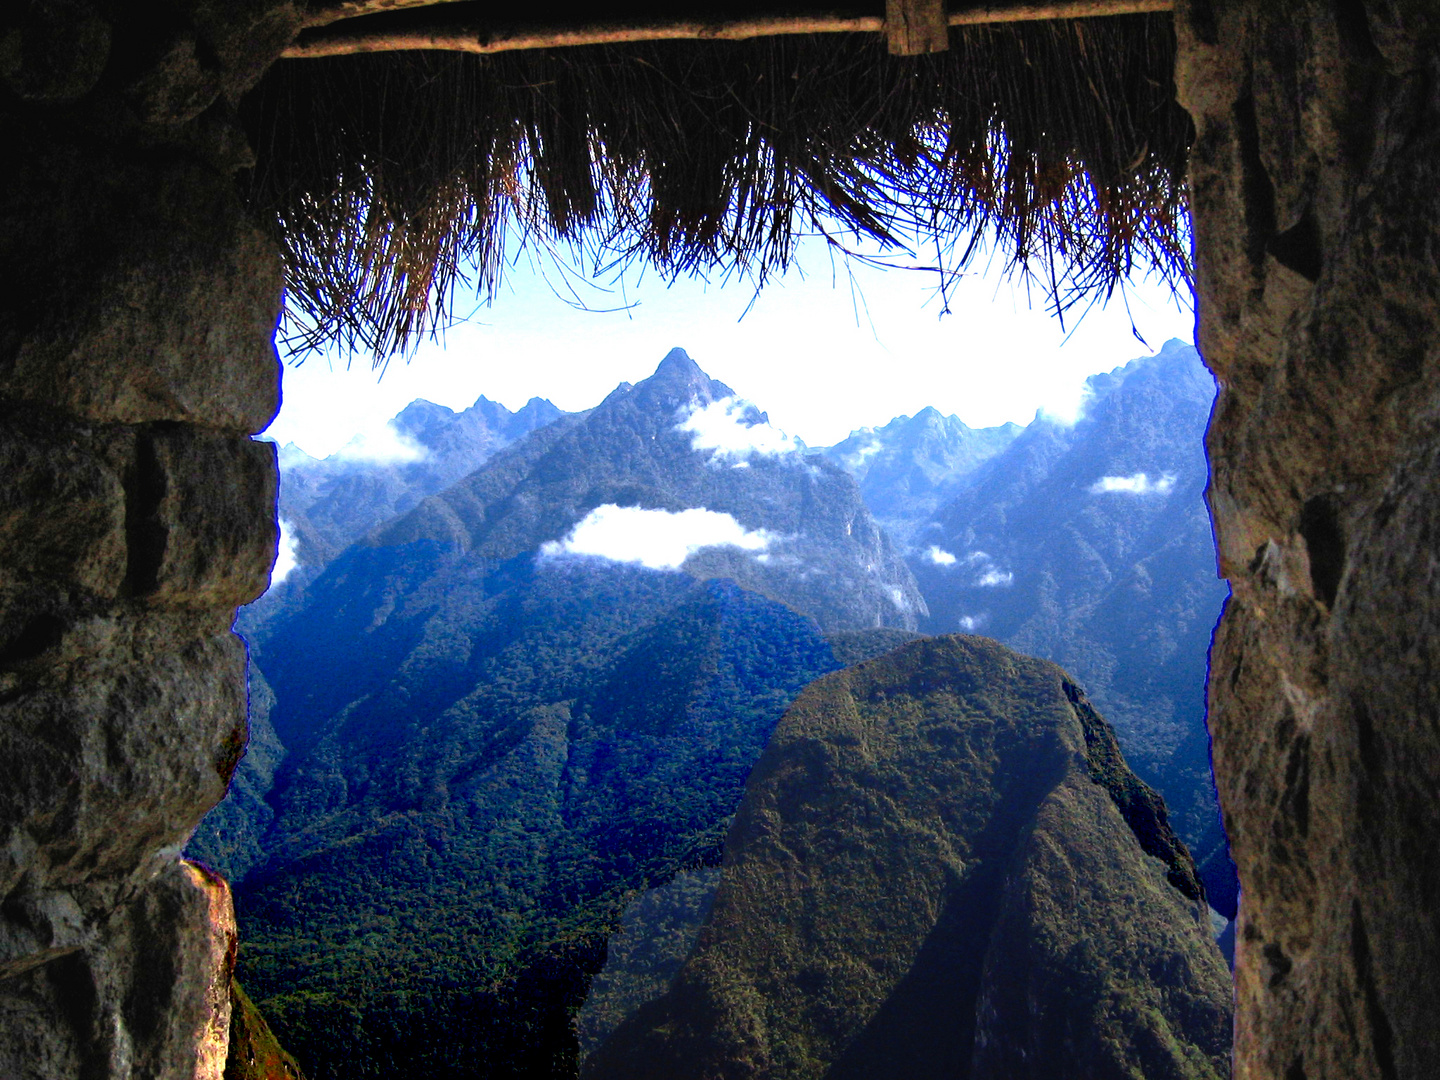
[[52, 50], [146, 293], [203, 531], [113, 744], [63, 502], [1316, 200], [146, 995]]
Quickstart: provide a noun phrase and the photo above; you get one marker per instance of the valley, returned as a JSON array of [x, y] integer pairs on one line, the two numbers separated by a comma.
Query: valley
[[520, 675]]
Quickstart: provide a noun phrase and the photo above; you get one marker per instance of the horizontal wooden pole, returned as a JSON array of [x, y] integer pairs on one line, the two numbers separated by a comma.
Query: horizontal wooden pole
[[471, 37]]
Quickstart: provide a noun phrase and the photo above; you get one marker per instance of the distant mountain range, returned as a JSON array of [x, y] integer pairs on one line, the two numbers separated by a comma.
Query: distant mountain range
[[914, 465], [528, 660], [326, 504], [502, 713], [1089, 544]]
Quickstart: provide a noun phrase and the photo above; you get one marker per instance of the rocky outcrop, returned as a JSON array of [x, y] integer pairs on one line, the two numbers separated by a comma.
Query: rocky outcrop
[[149, 994], [1316, 196], [942, 867], [136, 359]]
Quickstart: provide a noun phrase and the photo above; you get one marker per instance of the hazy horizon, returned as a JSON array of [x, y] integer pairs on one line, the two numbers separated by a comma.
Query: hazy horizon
[[824, 353]]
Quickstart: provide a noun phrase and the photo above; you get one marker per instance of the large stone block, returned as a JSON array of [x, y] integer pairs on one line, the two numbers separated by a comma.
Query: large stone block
[[147, 996], [178, 515], [137, 290], [114, 742], [203, 531], [63, 502]]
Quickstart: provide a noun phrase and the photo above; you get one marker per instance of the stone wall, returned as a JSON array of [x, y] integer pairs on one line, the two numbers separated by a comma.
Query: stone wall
[[136, 358], [1316, 179]]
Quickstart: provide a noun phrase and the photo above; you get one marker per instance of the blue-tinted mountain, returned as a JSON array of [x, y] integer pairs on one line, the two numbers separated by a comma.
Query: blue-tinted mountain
[[825, 555], [450, 846], [912, 466], [330, 503], [486, 737], [1089, 544]]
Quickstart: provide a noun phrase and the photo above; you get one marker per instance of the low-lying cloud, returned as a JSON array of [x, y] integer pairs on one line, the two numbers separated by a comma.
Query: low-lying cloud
[[1136, 484], [986, 573], [285, 558], [657, 539], [731, 428], [384, 446], [991, 577]]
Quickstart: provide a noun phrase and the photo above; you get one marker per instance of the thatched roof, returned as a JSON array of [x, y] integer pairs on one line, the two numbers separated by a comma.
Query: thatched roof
[[389, 173]]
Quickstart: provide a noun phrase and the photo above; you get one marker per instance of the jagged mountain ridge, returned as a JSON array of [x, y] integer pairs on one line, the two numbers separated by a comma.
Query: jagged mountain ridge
[[330, 503], [503, 742], [907, 469], [1117, 585], [1089, 544], [827, 556]]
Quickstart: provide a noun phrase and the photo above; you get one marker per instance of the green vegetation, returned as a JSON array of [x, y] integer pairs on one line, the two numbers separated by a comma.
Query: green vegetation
[[254, 1052], [452, 844], [925, 878], [656, 934]]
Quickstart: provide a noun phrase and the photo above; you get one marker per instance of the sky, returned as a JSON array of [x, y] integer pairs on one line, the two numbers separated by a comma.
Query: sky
[[826, 349]]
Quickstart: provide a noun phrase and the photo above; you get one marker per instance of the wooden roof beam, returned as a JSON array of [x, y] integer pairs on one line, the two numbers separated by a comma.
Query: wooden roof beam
[[915, 27], [332, 33]]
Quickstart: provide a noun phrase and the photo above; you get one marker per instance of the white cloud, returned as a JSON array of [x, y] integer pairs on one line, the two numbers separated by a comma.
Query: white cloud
[[285, 559], [1137, 484], [897, 597], [970, 623], [727, 429], [657, 539], [383, 446], [855, 458], [987, 574]]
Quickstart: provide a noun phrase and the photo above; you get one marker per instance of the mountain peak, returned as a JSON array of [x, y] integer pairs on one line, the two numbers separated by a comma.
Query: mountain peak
[[678, 365], [422, 419], [678, 381]]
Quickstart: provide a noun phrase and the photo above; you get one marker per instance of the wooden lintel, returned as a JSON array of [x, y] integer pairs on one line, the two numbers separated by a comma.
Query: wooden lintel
[[916, 27], [340, 39]]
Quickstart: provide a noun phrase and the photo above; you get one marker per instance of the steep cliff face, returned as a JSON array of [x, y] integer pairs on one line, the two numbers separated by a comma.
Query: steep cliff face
[[1316, 196], [136, 358], [942, 867]]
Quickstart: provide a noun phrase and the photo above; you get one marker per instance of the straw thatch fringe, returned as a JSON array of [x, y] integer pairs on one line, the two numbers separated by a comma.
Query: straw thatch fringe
[[387, 176]]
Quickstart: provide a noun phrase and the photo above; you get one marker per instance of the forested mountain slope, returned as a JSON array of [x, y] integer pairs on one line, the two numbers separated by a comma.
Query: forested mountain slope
[[503, 713], [943, 867], [1089, 544]]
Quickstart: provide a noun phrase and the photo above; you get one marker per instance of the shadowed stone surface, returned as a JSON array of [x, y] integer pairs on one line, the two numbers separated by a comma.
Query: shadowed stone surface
[[136, 357], [1316, 180]]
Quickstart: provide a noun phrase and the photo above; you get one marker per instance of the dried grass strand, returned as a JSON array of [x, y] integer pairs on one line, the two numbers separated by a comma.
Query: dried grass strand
[[390, 179]]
